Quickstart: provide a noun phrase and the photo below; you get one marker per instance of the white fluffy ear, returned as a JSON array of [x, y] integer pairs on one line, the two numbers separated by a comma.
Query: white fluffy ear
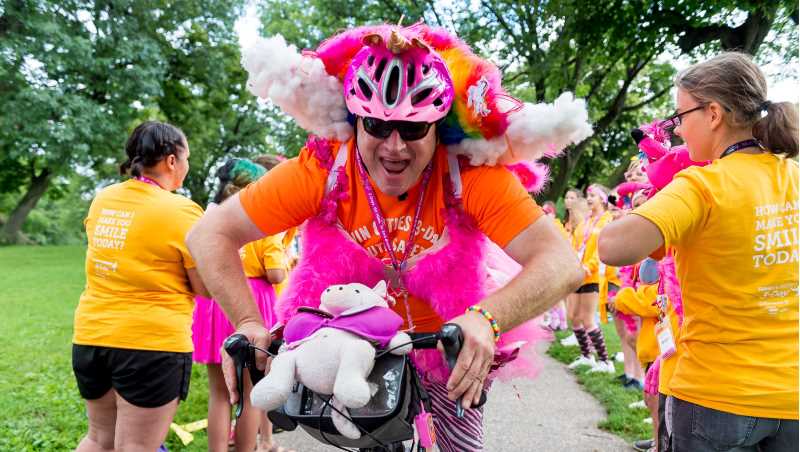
[[380, 289], [535, 131], [299, 85]]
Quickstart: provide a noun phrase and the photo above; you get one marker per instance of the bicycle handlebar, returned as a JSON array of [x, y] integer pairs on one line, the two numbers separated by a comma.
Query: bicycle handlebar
[[243, 354]]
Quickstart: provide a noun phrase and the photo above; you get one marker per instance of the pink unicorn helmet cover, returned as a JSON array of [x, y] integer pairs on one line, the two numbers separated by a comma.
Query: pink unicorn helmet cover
[[402, 80], [664, 161]]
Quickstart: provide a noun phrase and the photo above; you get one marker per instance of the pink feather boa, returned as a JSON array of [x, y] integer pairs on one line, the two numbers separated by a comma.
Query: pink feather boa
[[533, 175]]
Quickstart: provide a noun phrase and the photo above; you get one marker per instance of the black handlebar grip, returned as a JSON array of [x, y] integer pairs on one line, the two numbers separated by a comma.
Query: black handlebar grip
[[452, 338], [238, 347]]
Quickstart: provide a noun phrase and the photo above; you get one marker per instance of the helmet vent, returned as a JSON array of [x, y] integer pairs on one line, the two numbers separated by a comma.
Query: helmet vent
[[364, 86], [420, 96], [379, 69], [393, 85]]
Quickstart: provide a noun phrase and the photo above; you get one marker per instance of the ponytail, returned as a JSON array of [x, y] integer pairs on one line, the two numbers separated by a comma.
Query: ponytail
[[777, 130]]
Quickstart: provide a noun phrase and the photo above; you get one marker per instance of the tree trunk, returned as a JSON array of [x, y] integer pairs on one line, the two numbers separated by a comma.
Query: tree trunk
[[38, 186]]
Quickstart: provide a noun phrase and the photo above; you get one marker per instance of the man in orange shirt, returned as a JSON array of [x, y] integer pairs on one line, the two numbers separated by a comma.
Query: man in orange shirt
[[385, 198]]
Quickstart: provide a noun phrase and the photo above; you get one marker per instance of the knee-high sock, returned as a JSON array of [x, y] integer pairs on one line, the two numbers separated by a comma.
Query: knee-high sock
[[583, 340], [599, 342]]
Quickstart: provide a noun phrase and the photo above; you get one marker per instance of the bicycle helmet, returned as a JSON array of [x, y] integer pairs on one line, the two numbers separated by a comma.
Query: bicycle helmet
[[400, 79]]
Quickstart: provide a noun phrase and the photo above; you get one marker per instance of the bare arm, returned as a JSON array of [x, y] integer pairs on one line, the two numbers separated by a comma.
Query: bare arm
[[275, 275], [550, 271], [628, 240], [214, 243], [198, 288]]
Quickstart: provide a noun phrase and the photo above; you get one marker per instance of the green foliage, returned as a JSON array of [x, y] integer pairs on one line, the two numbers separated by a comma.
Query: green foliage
[[42, 409]]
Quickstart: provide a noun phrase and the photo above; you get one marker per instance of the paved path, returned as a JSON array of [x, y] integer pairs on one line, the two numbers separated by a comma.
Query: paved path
[[551, 414]]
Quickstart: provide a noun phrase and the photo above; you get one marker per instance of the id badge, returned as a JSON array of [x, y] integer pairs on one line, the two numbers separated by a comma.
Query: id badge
[[663, 302], [666, 342]]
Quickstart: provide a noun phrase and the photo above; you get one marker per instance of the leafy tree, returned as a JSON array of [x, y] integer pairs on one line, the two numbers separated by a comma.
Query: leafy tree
[[617, 54], [76, 76]]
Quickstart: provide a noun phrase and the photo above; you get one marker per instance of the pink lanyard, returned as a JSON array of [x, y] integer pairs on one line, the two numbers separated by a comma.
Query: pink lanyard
[[380, 221], [383, 231], [147, 180]]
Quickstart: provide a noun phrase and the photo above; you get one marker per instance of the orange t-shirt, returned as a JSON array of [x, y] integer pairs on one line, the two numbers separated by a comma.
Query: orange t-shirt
[[292, 192]]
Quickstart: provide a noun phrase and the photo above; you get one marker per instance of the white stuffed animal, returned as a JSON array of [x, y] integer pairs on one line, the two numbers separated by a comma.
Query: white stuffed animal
[[332, 350]]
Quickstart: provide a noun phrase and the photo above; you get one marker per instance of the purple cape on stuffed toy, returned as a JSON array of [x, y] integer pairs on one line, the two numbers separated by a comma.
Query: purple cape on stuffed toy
[[377, 325]]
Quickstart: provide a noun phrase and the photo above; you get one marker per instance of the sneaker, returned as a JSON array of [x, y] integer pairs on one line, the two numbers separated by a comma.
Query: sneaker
[[582, 361], [619, 357], [634, 385], [644, 445], [605, 367], [623, 378], [569, 340], [638, 405]]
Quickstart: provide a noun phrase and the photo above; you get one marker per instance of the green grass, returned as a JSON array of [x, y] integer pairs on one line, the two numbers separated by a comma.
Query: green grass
[[41, 407], [621, 421]]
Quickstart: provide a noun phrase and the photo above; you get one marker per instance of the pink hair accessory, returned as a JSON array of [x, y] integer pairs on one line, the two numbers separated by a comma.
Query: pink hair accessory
[[597, 192]]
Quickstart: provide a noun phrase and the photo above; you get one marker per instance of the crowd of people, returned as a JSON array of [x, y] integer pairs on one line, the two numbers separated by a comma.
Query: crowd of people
[[694, 256]]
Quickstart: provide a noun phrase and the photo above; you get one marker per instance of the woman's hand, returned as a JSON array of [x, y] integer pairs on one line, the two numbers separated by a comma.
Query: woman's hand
[[477, 353]]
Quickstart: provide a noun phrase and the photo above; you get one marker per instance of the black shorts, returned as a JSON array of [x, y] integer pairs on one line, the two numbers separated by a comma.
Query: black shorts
[[589, 288], [144, 378]]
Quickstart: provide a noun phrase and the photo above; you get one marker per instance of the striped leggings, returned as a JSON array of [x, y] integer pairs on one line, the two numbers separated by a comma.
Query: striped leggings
[[454, 434]]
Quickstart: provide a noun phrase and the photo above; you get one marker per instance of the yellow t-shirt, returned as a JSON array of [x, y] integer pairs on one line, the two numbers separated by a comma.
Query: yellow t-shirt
[[137, 293], [639, 302], [734, 226], [267, 253], [288, 236], [584, 241]]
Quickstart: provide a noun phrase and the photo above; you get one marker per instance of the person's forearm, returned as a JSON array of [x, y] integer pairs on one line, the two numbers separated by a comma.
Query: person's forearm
[[544, 281], [220, 267]]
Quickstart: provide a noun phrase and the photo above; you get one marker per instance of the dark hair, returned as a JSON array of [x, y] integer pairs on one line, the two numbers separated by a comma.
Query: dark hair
[[234, 175], [736, 83], [149, 143]]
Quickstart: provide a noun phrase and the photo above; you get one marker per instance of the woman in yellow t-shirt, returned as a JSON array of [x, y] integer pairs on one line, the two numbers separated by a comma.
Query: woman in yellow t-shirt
[[734, 227], [264, 264], [132, 341], [576, 210], [584, 241]]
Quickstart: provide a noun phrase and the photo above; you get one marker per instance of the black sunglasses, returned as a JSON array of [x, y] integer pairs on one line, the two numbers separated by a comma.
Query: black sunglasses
[[675, 120], [408, 130]]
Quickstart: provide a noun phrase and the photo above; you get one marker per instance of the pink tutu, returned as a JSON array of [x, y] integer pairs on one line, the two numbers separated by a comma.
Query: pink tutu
[[210, 326], [652, 378]]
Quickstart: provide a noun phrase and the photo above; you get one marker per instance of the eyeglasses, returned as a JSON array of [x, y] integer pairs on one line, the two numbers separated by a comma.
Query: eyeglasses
[[674, 121], [408, 130]]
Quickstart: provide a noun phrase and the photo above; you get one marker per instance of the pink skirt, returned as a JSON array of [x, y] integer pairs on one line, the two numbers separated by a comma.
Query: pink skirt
[[210, 326]]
